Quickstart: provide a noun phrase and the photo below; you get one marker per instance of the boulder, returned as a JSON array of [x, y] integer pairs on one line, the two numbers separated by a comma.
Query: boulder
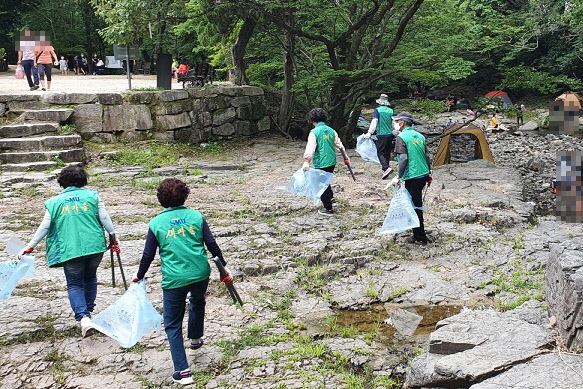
[[70, 98], [474, 345], [529, 126], [564, 290], [110, 98], [88, 118], [536, 164], [126, 117], [171, 122]]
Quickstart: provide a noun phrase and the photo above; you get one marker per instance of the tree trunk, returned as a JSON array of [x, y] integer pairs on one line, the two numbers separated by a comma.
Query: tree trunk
[[238, 51], [89, 17], [287, 98]]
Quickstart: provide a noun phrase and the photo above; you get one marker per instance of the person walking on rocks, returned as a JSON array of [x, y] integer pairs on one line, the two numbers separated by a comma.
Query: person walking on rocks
[[44, 61], [180, 234], [414, 168], [382, 124], [73, 224], [321, 149]]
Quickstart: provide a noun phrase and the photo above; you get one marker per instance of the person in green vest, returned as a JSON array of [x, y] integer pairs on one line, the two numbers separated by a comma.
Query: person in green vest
[[180, 234], [73, 224], [382, 124], [414, 168], [321, 150]]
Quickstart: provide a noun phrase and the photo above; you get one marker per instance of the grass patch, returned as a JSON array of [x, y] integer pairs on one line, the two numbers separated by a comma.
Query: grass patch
[[45, 331], [67, 129], [57, 360]]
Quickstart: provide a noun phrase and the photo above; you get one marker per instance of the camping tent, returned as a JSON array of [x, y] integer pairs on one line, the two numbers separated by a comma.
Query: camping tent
[[571, 99], [503, 96], [481, 147]]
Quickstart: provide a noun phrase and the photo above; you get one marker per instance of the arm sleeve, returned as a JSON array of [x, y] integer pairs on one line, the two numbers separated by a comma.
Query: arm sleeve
[[403, 162], [428, 159], [42, 230], [310, 147], [338, 144], [104, 218], [211, 243], [373, 125], [148, 255], [400, 147]]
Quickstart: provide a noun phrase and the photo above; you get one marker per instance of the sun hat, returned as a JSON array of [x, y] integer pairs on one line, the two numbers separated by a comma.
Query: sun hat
[[383, 100]]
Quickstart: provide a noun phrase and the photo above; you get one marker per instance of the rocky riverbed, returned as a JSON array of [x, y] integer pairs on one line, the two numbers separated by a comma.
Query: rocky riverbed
[[324, 296]]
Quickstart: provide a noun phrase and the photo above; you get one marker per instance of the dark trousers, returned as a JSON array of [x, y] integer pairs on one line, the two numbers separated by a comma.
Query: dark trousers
[[328, 195], [81, 276], [174, 308], [384, 144], [415, 188], [519, 120], [30, 71], [45, 69]]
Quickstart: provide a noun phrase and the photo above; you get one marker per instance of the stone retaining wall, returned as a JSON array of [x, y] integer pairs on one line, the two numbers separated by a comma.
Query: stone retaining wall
[[564, 291], [188, 115]]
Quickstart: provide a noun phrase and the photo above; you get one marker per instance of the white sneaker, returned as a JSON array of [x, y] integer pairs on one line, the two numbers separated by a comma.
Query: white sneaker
[[86, 326]]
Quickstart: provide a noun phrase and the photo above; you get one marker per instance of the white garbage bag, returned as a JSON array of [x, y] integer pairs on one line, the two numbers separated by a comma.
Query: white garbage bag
[[401, 215]]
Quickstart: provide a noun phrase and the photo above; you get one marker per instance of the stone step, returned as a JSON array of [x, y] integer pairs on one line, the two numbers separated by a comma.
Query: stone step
[[71, 155], [29, 166], [30, 105], [48, 115], [42, 143], [27, 129]]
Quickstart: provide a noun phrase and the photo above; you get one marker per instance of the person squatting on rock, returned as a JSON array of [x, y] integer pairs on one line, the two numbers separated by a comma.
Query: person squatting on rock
[[180, 234], [73, 224], [321, 150], [382, 124], [414, 168]]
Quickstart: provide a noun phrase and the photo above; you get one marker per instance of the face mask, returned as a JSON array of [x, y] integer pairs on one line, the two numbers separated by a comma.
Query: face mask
[[396, 126]]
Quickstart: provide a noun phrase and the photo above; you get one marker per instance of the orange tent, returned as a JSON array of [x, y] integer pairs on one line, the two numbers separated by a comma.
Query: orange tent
[[571, 99], [481, 147]]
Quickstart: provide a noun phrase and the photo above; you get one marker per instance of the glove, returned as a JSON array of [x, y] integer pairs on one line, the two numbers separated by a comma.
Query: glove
[[429, 181], [24, 251], [366, 136], [136, 279], [227, 279], [114, 247], [306, 166], [347, 161], [396, 181]]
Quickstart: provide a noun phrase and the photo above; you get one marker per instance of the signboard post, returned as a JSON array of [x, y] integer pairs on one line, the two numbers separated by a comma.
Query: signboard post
[[126, 53]]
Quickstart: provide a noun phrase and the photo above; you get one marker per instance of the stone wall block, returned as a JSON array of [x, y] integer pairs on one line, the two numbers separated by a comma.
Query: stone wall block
[[7, 98], [243, 127], [140, 97], [172, 122], [126, 117], [27, 105], [88, 118], [240, 101], [226, 129], [70, 98], [264, 124], [134, 136], [110, 98], [244, 113], [257, 108], [223, 116], [173, 95], [164, 136], [215, 103], [229, 90], [202, 119], [172, 108], [249, 90], [198, 105], [2, 109], [98, 137]]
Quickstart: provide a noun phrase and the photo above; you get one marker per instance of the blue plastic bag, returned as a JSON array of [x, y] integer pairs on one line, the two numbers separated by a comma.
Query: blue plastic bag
[[12, 271], [310, 184], [401, 215], [367, 149], [130, 318]]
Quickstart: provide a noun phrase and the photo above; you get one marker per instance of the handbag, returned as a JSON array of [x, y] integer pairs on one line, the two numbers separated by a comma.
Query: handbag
[[19, 72]]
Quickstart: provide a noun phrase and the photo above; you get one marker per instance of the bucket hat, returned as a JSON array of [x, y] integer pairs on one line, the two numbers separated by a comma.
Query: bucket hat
[[383, 100]]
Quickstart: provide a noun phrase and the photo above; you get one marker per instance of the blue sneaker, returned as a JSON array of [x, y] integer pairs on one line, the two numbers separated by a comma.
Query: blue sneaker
[[183, 377]]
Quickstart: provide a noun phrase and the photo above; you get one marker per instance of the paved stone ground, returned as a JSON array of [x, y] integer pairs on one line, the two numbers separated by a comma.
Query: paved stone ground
[[79, 84], [294, 269]]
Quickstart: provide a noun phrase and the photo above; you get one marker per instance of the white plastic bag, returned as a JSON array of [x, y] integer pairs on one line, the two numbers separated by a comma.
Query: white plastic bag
[[12, 271], [367, 149], [310, 184], [19, 73], [131, 317], [401, 215]]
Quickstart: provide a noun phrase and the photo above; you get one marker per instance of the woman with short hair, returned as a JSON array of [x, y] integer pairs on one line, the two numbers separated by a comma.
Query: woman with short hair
[[73, 224], [180, 234]]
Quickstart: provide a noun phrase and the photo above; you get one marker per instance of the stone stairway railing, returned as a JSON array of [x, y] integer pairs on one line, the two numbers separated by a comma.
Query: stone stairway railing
[[34, 141]]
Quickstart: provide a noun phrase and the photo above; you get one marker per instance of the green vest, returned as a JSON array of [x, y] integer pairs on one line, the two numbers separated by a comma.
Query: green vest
[[182, 253], [75, 229], [385, 125], [417, 163], [325, 154]]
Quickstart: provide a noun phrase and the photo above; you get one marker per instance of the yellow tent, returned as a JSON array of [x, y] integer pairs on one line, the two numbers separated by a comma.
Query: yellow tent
[[481, 147]]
